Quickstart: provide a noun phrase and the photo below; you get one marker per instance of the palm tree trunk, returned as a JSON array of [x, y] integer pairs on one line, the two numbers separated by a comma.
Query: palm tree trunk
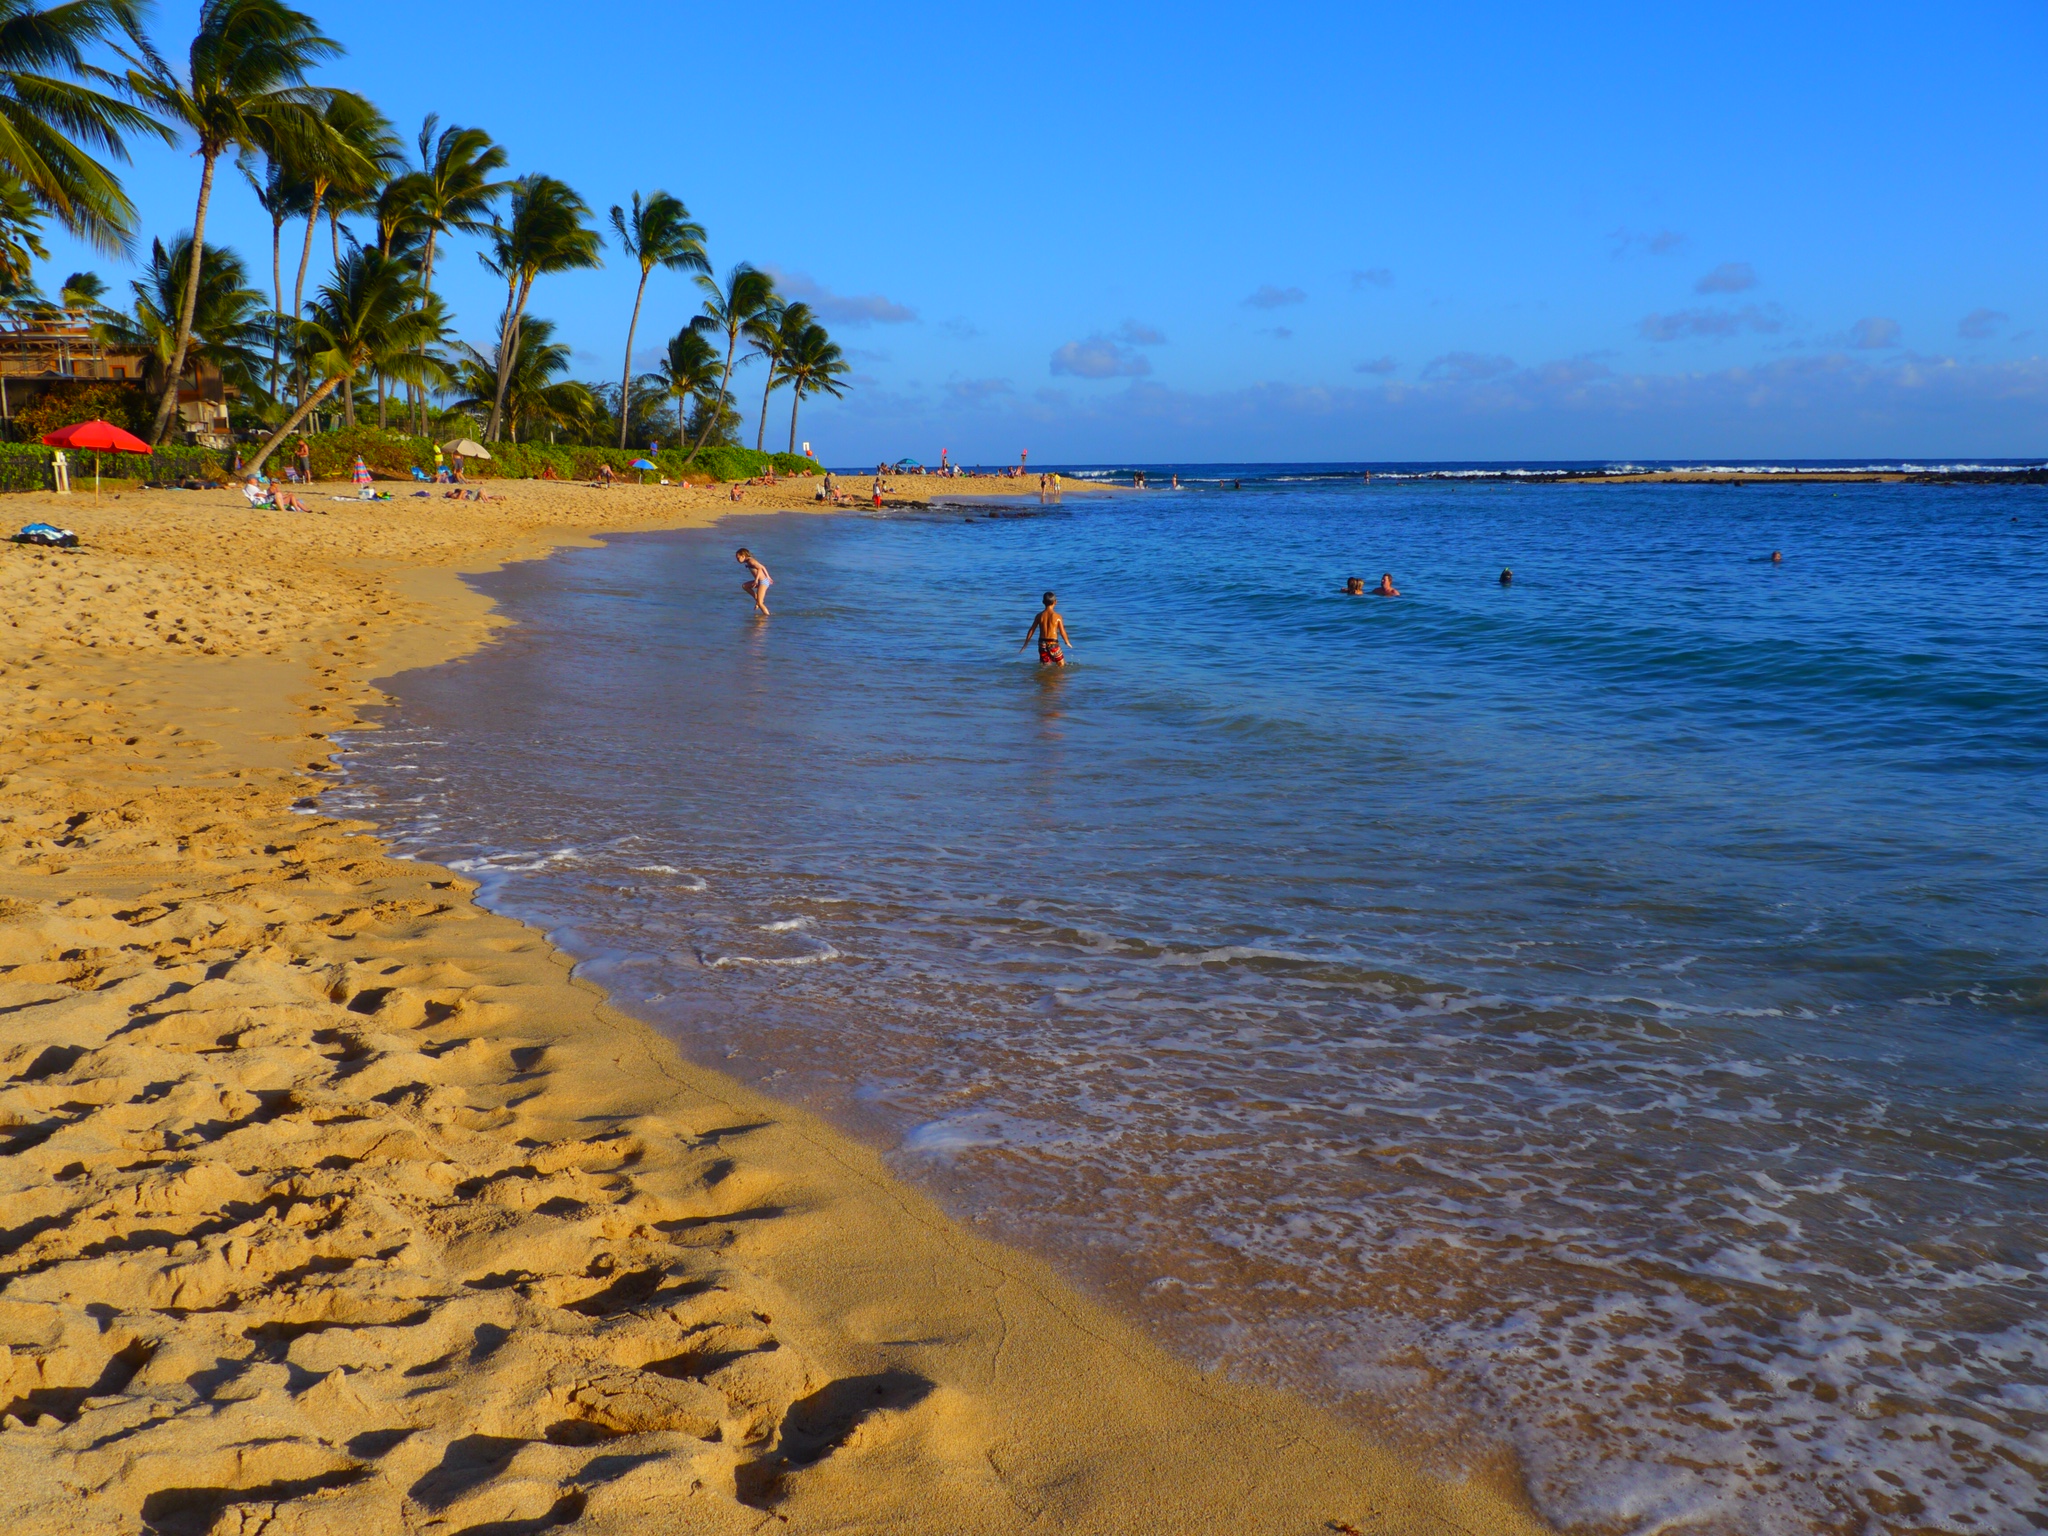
[[504, 369], [415, 387], [383, 416], [276, 296], [761, 431], [168, 406], [305, 409], [334, 229], [732, 341], [348, 402], [306, 254], [796, 398], [626, 383]]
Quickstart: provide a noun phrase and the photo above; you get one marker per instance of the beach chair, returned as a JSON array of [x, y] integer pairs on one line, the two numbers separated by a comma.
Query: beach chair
[[420, 474]]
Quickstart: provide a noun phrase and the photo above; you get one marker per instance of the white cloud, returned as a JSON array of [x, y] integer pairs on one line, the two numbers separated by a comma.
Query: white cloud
[[1729, 277], [1980, 323], [1764, 319], [1872, 332], [1467, 367], [1832, 404], [977, 391], [1662, 243], [840, 308], [1269, 297], [1100, 357]]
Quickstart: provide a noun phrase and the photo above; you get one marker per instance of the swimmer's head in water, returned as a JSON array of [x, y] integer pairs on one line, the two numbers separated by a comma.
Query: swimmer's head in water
[[1777, 557], [1353, 585], [1050, 599], [1507, 577]]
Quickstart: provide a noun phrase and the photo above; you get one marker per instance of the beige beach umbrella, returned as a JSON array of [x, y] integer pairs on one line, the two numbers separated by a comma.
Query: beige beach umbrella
[[466, 448]]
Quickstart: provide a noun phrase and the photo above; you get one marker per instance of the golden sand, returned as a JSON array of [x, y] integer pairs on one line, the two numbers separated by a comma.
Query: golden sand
[[331, 1202]]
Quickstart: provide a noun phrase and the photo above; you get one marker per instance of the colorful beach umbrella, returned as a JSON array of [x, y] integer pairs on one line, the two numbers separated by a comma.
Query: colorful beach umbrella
[[642, 464], [100, 437], [361, 473]]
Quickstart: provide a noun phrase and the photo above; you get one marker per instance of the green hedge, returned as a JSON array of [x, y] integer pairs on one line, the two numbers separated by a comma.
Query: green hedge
[[391, 456], [26, 466]]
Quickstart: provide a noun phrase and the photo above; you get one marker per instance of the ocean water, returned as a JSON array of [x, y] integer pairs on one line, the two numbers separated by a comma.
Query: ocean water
[[1604, 1018]]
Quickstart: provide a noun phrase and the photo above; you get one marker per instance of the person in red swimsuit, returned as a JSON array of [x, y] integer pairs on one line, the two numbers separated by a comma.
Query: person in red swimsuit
[[1050, 630]]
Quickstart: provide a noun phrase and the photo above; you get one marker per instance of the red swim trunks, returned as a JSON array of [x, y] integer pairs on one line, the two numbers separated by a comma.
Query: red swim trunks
[[1050, 654]]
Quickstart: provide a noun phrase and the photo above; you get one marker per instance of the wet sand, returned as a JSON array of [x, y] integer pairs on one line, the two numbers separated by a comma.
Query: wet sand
[[331, 1201]]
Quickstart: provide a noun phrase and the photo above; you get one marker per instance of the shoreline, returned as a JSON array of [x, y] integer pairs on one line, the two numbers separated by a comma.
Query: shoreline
[[337, 1200]]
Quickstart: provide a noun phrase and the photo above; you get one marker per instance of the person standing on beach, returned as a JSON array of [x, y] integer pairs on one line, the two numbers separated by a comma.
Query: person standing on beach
[[304, 454], [1050, 631], [757, 585]]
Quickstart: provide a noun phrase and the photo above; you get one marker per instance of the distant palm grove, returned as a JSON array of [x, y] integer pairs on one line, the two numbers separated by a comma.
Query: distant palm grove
[[352, 329]]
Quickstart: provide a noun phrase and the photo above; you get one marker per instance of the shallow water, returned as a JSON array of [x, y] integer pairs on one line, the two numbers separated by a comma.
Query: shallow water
[[1605, 1014]]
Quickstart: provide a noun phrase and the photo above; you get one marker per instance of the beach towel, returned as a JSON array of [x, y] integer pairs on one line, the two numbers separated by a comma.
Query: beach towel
[[48, 536]]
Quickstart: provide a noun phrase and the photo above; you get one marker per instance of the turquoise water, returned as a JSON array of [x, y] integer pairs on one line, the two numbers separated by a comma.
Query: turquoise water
[[1603, 1015]]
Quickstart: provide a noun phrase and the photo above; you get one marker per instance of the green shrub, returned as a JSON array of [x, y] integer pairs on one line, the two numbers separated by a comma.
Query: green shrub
[[125, 403], [391, 456], [27, 466]]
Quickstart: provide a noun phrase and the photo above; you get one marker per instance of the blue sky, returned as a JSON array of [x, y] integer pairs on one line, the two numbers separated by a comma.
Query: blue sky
[[1118, 232]]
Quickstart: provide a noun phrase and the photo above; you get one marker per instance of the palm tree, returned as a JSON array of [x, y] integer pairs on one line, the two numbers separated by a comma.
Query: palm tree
[[773, 332], [229, 326], [346, 155], [451, 190], [44, 118], [21, 233], [545, 232], [533, 397], [686, 371], [284, 198], [244, 87], [366, 317], [813, 364], [660, 234], [747, 291]]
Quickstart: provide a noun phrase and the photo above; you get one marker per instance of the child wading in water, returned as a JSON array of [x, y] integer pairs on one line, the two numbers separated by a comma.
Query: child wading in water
[[1051, 631], [756, 587]]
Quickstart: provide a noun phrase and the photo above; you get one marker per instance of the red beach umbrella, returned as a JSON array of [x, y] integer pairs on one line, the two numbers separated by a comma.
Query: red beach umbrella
[[100, 436]]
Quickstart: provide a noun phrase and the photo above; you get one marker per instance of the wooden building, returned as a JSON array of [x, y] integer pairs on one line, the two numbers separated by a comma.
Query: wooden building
[[38, 351]]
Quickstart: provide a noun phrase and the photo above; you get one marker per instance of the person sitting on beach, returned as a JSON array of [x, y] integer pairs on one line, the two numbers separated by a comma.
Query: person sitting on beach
[[1051, 632], [1386, 588], [1354, 586], [734, 493], [757, 585], [285, 501]]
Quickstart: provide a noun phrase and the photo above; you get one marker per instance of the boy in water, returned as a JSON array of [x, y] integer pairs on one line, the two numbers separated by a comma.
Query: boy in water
[[758, 584], [1051, 632]]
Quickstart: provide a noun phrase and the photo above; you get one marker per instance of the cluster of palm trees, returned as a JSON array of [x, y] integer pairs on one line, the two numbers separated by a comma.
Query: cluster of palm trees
[[242, 93]]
